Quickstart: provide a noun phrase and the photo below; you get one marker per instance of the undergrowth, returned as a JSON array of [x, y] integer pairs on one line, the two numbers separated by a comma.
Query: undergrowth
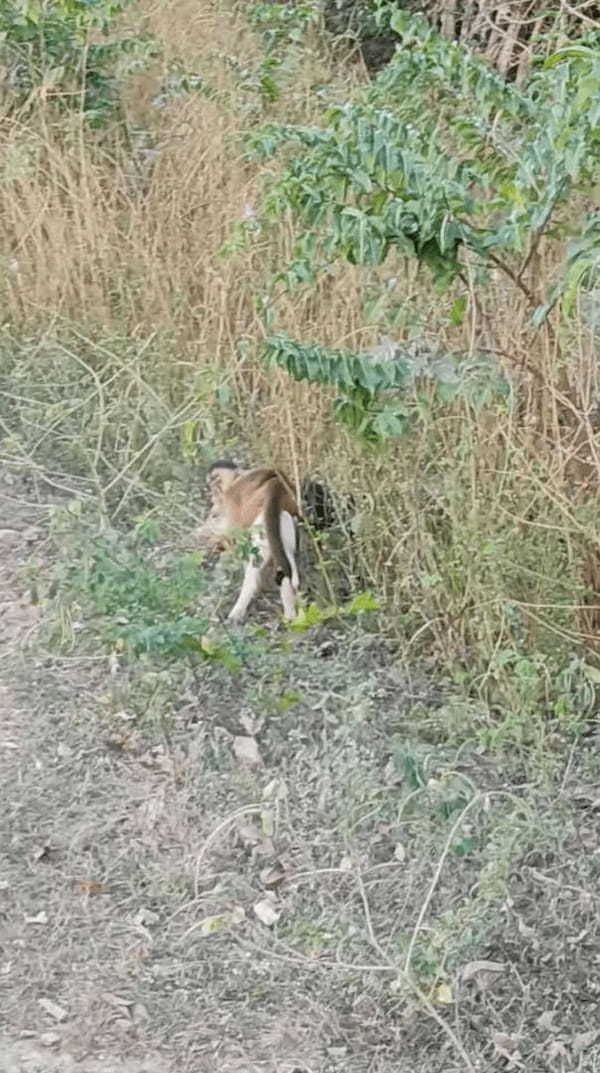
[[372, 832], [136, 314]]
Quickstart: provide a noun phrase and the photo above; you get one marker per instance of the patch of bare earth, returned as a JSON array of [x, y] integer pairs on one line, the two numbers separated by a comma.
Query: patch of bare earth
[[54, 1017], [312, 865]]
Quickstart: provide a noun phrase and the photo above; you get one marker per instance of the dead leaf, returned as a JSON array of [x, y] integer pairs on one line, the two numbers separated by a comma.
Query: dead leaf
[[474, 967], [507, 1047], [266, 913], [556, 1049], [90, 887], [583, 1040], [248, 833], [504, 1042], [399, 852], [483, 973], [139, 1012], [524, 929], [39, 918], [53, 1009], [272, 876], [246, 751], [119, 743], [275, 789], [546, 1021], [443, 993], [141, 951], [116, 1000], [41, 853]]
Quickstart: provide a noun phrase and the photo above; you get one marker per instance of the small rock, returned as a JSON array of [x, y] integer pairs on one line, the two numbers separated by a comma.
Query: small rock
[[39, 918], [145, 916], [52, 1008], [246, 751], [139, 1012], [9, 537], [266, 913], [49, 1039]]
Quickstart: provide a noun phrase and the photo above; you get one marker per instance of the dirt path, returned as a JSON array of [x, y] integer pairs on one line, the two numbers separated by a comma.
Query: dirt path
[[104, 816], [50, 1022]]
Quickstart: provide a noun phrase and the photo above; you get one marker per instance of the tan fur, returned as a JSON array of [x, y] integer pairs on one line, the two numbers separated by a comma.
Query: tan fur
[[251, 500]]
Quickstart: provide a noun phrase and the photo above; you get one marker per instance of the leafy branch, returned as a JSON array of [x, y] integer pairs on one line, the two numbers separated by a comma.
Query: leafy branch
[[380, 393], [442, 161]]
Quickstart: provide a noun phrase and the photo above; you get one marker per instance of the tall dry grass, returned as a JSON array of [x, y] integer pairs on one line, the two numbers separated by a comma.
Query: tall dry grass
[[479, 532]]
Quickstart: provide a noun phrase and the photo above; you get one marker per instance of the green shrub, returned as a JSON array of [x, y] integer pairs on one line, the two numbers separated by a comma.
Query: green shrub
[[66, 51]]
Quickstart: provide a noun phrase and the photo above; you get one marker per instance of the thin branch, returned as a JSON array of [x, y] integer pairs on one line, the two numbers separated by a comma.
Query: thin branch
[[579, 14], [512, 276], [436, 876], [407, 979], [538, 233]]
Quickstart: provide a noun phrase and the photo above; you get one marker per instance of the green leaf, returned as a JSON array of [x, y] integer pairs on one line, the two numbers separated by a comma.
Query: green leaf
[[465, 846], [209, 925], [312, 615], [388, 423], [457, 310], [363, 601], [569, 52]]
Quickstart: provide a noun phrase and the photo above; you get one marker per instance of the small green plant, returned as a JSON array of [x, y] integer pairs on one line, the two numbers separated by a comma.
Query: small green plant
[[135, 600], [313, 615], [260, 82], [283, 24], [282, 29], [52, 51]]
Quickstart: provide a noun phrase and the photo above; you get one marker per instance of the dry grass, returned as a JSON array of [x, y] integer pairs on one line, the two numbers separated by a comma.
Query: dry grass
[[477, 531]]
